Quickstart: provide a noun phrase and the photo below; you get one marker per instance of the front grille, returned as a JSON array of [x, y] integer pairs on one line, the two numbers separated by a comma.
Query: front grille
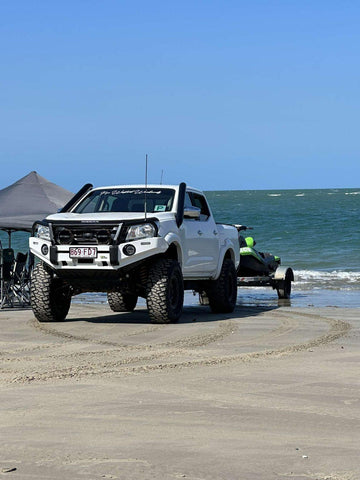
[[84, 234]]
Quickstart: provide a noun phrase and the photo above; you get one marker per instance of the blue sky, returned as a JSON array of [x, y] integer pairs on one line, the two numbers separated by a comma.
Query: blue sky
[[220, 94]]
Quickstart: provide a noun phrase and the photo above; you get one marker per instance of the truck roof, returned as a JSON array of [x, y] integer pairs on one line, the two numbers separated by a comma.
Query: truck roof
[[127, 186]]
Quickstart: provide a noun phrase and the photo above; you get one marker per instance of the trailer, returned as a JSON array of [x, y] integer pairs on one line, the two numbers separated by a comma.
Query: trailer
[[280, 280]]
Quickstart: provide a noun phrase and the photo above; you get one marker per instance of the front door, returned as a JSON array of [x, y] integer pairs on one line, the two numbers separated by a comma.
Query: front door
[[200, 238]]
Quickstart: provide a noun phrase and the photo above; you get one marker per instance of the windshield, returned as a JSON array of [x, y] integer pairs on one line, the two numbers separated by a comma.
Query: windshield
[[127, 200]]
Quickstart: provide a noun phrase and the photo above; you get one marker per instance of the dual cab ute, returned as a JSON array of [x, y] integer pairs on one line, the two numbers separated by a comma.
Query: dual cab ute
[[134, 241]]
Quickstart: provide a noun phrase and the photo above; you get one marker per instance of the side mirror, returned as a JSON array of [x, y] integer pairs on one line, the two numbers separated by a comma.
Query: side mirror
[[192, 212]]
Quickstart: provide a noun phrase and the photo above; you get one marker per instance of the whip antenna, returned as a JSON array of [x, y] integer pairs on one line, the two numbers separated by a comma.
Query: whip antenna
[[161, 178], [146, 174]]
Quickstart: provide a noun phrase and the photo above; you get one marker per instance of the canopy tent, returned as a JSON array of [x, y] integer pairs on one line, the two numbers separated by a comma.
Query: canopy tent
[[29, 199]]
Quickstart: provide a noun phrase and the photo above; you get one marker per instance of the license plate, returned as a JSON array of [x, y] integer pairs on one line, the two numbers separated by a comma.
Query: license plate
[[83, 252]]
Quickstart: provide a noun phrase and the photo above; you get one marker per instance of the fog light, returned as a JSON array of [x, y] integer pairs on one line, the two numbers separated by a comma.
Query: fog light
[[64, 236], [129, 249], [103, 236], [44, 249]]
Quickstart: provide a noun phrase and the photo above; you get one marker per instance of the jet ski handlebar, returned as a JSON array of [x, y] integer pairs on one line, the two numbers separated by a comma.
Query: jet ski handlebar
[[240, 228]]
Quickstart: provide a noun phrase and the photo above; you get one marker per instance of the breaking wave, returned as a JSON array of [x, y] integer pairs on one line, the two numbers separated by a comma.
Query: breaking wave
[[331, 280]]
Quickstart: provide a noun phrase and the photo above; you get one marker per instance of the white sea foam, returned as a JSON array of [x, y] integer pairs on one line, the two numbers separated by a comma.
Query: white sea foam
[[300, 195], [333, 280], [352, 193], [274, 194]]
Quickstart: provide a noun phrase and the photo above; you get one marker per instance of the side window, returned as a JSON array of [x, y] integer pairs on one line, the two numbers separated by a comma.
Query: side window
[[199, 201]]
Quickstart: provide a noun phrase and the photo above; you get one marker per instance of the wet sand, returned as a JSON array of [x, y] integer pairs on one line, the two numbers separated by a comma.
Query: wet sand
[[264, 393]]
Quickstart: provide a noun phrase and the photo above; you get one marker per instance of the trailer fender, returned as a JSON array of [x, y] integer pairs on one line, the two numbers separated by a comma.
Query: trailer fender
[[282, 273]]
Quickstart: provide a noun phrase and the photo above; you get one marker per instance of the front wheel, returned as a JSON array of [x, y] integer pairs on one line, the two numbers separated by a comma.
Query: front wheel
[[50, 297], [165, 291], [222, 293]]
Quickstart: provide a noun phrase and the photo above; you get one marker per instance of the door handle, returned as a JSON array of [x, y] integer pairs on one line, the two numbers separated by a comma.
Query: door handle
[[200, 232], [215, 232]]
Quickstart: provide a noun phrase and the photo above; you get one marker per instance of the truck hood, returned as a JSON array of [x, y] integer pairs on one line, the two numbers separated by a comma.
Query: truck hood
[[104, 216]]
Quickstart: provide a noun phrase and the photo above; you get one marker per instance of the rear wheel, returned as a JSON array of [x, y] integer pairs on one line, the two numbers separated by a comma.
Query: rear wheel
[[122, 302], [50, 296], [222, 292], [165, 291]]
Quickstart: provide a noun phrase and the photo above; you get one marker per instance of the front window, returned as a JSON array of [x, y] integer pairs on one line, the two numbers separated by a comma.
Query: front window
[[193, 199], [127, 200]]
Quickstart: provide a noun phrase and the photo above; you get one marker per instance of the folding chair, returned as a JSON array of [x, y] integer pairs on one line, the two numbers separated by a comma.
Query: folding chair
[[6, 265], [19, 281]]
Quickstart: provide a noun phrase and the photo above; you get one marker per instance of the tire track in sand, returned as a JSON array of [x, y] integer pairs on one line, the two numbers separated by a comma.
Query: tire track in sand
[[181, 353]]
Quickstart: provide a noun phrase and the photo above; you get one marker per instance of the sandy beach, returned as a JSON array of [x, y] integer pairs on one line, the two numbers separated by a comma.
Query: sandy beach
[[264, 393]]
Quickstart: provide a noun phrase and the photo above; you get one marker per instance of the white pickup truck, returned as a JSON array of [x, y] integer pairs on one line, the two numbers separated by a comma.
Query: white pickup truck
[[134, 241]]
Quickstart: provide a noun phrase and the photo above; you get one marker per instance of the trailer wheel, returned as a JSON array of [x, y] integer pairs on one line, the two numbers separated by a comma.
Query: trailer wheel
[[50, 297], [283, 287], [122, 302], [165, 291], [222, 293]]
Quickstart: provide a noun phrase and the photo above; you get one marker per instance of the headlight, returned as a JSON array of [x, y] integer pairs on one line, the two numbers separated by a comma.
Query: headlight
[[145, 230], [42, 231]]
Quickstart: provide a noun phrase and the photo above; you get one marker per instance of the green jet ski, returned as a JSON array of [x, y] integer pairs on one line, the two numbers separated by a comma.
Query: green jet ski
[[262, 269]]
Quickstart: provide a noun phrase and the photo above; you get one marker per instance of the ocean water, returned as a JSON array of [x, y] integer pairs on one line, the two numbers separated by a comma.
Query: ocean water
[[316, 232]]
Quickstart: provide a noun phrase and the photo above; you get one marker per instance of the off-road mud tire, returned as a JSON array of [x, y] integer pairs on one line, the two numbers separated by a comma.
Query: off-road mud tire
[[222, 293], [50, 297], [122, 302], [165, 291]]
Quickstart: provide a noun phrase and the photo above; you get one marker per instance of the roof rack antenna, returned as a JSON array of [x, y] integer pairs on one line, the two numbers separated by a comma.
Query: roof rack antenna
[[146, 175]]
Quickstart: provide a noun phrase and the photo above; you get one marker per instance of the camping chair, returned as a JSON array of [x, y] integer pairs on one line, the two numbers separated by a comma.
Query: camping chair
[[6, 265], [19, 281]]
